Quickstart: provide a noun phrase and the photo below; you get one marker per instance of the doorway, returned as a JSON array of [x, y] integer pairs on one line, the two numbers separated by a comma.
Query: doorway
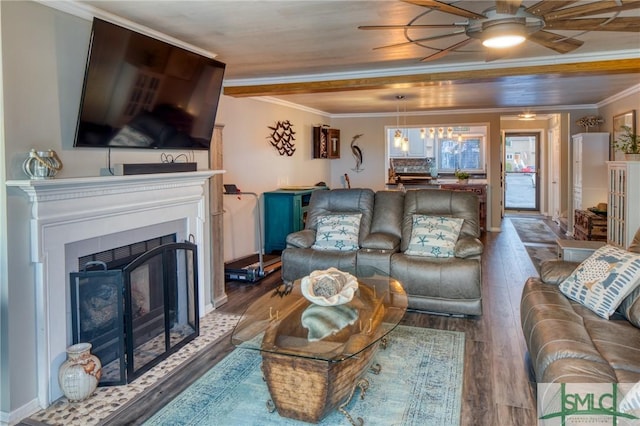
[[521, 171]]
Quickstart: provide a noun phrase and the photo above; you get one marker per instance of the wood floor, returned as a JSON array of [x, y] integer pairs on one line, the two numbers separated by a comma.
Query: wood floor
[[496, 388]]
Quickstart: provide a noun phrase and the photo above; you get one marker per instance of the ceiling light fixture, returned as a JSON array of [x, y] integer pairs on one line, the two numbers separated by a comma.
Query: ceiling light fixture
[[502, 34], [405, 141], [526, 116], [397, 136]]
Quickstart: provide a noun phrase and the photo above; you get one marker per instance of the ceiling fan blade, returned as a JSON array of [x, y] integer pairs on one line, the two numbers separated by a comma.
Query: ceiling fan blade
[[555, 42], [596, 24], [447, 8], [444, 52], [544, 7], [420, 40], [406, 27], [508, 6], [592, 9]]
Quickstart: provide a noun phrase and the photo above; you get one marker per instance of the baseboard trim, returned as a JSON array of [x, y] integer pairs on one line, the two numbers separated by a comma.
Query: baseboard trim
[[23, 412]]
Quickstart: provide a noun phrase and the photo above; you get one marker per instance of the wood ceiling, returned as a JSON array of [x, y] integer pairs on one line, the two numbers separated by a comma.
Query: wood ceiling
[[311, 53]]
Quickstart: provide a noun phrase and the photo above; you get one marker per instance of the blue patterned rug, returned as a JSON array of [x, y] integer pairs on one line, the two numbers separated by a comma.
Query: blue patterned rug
[[420, 384]]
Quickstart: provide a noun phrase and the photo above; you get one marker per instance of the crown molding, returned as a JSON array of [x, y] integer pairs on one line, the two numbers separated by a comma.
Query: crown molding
[[88, 12], [627, 92]]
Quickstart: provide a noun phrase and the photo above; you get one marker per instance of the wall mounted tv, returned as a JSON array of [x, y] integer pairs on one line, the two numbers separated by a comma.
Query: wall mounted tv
[[140, 92]]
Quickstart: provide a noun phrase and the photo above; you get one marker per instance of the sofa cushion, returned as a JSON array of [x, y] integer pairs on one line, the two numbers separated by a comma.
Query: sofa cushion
[[603, 280], [434, 236], [440, 202], [617, 340], [468, 247], [338, 232], [554, 271], [554, 330]]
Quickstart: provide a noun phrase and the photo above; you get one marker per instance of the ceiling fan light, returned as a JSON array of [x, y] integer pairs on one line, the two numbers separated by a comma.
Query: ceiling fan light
[[501, 42], [503, 35]]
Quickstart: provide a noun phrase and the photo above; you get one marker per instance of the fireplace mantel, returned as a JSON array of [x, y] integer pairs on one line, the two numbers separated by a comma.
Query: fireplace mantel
[[104, 211]]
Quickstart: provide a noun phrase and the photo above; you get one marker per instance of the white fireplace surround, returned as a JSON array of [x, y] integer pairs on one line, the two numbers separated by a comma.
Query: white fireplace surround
[[78, 216]]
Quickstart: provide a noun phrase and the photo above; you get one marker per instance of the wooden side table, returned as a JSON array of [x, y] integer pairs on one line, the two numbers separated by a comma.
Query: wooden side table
[[577, 250]]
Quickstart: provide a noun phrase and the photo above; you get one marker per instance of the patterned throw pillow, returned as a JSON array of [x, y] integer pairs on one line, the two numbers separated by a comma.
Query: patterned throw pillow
[[603, 280], [338, 232], [434, 236], [631, 401]]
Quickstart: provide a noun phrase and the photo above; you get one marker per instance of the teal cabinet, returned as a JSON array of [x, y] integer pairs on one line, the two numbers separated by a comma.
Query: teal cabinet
[[284, 212]]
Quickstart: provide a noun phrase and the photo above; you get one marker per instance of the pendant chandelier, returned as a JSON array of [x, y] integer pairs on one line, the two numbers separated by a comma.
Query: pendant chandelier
[[397, 136]]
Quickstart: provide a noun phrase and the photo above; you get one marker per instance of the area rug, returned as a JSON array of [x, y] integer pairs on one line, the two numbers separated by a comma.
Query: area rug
[[420, 384], [531, 230], [541, 253]]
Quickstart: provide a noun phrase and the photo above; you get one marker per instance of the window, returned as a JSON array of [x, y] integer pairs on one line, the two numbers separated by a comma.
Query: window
[[452, 147]]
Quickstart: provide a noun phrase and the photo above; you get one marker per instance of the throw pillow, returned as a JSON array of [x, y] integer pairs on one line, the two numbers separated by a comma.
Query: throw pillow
[[434, 236], [630, 307], [631, 400], [603, 280], [338, 232]]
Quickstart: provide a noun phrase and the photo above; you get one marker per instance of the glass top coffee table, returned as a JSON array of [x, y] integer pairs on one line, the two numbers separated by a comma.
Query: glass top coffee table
[[314, 357]]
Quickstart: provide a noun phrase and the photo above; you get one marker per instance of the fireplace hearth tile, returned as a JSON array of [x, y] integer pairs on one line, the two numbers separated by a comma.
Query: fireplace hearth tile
[[109, 399]]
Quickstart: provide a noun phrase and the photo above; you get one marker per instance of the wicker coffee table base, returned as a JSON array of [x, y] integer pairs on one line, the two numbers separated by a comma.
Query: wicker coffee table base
[[308, 389]]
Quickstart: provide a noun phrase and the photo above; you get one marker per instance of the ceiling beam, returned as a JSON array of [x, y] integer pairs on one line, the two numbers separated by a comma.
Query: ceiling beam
[[618, 66]]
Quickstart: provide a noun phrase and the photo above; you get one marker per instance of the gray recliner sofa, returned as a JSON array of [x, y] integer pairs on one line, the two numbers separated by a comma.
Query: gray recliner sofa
[[439, 285]]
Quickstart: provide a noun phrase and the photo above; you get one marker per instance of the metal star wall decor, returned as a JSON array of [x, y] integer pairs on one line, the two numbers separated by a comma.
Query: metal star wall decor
[[282, 137]]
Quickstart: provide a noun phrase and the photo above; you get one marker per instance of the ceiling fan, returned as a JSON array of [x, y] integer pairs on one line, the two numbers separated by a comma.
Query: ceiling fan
[[509, 23]]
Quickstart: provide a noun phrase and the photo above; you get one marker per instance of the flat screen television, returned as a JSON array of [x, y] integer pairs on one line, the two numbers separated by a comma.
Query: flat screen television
[[140, 92]]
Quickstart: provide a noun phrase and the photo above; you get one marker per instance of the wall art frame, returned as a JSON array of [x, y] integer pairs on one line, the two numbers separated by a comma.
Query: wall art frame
[[624, 119]]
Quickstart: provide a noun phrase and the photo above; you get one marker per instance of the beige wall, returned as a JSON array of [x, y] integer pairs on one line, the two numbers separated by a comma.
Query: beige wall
[[254, 165]]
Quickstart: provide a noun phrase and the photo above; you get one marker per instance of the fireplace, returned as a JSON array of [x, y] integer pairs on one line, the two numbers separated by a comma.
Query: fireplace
[[74, 217], [136, 305]]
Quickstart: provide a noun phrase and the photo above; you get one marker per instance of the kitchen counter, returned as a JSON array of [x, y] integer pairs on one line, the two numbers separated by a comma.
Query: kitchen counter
[[431, 183], [477, 186]]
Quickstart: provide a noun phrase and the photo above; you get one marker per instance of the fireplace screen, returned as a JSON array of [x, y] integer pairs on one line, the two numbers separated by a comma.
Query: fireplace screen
[[139, 314]]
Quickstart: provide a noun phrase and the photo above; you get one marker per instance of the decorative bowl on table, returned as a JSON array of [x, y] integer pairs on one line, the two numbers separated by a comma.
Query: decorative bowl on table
[[329, 287]]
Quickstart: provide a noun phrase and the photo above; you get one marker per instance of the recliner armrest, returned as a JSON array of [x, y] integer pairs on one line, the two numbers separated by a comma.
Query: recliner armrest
[[381, 241], [554, 271], [301, 239], [468, 247]]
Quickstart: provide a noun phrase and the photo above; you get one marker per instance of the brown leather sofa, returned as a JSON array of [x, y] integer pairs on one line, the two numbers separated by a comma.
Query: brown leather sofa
[[441, 285], [568, 343]]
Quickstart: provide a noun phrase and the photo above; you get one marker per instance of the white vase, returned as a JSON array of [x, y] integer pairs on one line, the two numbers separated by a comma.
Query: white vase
[[80, 373]]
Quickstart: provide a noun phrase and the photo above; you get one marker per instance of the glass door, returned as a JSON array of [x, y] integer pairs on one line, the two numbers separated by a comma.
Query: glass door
[[521, 171]]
